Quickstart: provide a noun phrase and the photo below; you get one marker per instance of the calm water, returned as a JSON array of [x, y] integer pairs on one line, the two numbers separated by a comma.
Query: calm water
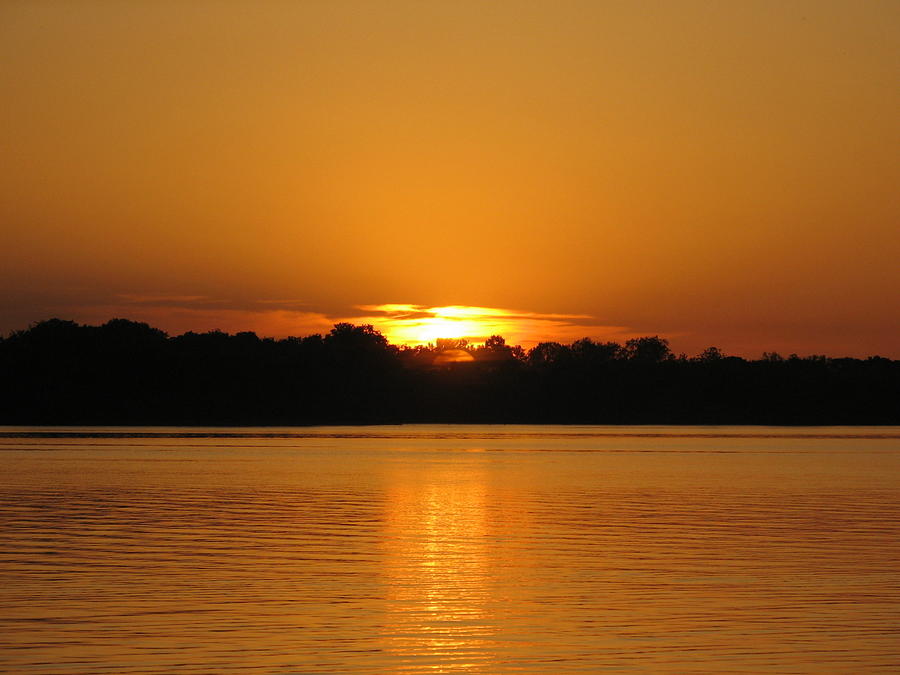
[[450, 549]]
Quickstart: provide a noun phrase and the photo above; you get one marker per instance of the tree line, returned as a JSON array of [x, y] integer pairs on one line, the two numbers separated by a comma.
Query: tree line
[[129, 373]]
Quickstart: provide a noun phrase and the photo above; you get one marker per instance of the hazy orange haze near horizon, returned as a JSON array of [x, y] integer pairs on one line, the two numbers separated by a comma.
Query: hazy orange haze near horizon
[[717, 173]]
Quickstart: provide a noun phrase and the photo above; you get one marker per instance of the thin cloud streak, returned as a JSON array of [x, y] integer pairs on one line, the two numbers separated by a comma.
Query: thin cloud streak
[[162, 299]]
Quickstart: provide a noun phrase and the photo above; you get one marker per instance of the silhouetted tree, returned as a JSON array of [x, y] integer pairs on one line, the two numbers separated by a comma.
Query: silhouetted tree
[[548, 354], [494, 349], [442, 344], [710, 355], [125, 372], [648, 349], [589, 351]]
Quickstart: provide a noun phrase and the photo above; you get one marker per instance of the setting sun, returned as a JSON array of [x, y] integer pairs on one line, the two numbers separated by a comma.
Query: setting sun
[[445, 322], [411, 324], [430, 330], [419, 325]]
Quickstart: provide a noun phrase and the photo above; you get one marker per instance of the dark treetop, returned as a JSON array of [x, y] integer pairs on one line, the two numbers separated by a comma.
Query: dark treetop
[[123, 372]]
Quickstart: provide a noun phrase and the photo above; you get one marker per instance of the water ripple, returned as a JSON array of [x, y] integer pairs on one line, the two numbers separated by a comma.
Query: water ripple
[[337, 555]]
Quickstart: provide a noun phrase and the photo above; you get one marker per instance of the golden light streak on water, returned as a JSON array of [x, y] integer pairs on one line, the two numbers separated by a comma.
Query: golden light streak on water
[[437, 569], [430, 549]]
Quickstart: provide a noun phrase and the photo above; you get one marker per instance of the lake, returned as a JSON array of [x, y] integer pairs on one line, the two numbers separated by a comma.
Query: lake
[[450, 549]]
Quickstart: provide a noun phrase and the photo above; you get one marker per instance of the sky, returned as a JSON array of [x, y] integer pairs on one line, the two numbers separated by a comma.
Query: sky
[[717, 173]]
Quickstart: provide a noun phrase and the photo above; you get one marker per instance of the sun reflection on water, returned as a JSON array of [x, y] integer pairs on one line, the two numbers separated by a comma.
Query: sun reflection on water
[[437, 570]]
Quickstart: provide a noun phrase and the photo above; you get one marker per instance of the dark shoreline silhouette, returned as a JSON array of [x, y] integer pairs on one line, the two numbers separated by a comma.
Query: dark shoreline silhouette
[[128, 373]]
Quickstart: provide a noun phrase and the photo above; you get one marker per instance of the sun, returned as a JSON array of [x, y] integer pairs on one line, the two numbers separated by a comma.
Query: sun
[[429, 330], [409, 324], [413, 325]]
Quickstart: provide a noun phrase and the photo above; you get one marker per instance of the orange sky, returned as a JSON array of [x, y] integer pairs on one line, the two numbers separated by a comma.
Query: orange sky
[[716, 172]]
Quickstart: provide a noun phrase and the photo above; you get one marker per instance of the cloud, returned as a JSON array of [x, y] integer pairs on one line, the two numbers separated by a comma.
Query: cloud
[[164, 300]]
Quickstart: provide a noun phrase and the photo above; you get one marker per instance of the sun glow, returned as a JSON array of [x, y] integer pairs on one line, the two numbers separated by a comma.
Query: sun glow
[[410, 324], [429, 330], [419, 325]]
